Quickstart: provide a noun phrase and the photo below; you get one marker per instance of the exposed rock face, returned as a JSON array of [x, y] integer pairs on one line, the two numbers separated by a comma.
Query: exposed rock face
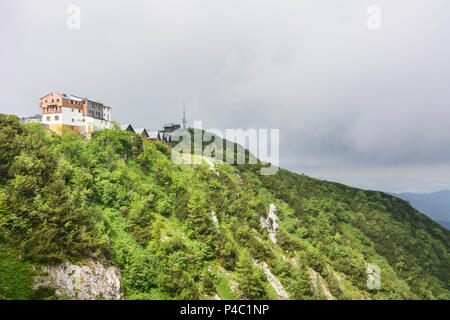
[[211, 165], [270, 223], [214, 219], [86, 282], [316, 280], [233, 284], [292, 260], [275, 283], [274, 217]]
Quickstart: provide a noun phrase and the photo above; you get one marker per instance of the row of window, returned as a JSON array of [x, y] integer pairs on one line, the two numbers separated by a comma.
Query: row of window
[[56, 109], [49, 118], [98, 114], [70, 101], [99, 106], [94, 104]]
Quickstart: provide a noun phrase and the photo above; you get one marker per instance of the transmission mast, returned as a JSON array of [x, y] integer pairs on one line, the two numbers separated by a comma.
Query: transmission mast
[[184, 116]]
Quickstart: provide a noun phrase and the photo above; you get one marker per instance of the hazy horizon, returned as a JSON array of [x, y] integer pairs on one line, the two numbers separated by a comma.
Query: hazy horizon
[[368, 108]]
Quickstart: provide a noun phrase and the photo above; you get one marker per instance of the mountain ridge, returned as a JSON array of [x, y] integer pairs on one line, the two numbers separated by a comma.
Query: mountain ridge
[[205, 231]]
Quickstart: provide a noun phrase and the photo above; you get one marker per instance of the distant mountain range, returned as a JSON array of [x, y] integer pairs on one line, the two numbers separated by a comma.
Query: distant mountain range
[[436, 205]]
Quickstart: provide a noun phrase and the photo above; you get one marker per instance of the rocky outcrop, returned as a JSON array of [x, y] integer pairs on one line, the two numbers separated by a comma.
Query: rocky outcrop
[[213, 216], [292, 260], [275, 283], [316, 281], [211, 165], [233, 284], [90, 281], [270, 223]]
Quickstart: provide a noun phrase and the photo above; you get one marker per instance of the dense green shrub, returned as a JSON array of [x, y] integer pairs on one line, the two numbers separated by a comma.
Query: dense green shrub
[[120, 198]]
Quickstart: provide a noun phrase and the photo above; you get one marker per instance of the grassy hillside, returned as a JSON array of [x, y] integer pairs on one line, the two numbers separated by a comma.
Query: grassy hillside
[[121, 199]]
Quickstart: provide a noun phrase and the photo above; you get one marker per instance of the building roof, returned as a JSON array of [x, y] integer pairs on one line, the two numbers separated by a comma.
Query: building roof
[[75, 98], [140, 130], [69, 96], [96, 101], [36, 116], [124, 127], [170, 125]]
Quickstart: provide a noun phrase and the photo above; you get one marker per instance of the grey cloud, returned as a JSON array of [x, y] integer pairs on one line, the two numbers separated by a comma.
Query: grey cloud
[[344, 98]]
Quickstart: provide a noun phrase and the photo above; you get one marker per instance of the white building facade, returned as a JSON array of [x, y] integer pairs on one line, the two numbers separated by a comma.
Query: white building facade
[[62, 112]]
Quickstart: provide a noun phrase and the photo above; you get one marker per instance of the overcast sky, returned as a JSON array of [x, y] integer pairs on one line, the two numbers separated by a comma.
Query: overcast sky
[[369, 108]]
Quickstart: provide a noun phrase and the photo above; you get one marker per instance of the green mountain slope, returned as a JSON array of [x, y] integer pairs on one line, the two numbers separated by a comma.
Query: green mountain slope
[[199, 231]]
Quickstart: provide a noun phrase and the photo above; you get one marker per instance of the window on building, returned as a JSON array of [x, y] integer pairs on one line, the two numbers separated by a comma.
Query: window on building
[[48, 118], [73, 120], [57, 100], [56, 118], [79, 111]]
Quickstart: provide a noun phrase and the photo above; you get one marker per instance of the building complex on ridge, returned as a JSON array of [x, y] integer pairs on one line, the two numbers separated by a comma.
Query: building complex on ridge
[[62, 112]]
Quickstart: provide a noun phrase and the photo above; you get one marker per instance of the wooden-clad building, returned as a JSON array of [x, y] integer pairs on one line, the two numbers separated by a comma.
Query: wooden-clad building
[[62, 112]]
